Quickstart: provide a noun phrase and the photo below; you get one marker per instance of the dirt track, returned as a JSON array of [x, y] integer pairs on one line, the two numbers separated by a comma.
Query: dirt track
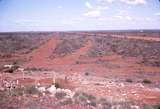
[[40, 56]]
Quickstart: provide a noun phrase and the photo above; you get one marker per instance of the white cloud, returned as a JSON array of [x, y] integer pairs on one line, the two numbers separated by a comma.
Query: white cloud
[[130, 2], [134, 2], [27, 22], [94, 13], [123, 17], [123, 14], [148, 19], [59, 7], [88, 5], [79, 19], [67, 22], [157, 14], [109, 1], [119, 16], [102, 7], [128, 17]]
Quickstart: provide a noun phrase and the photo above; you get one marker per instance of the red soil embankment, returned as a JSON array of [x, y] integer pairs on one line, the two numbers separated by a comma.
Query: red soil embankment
[[40, 56]]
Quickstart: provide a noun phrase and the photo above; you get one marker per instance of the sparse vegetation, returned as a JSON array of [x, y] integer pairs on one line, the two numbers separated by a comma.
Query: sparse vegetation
[[57, 85], [86, 73], [11, 42], [107, 45], [157, 106], [153, 61], [77, 62], [85, 98], [66, 101], [60, 95], [129, 80], [17, 92], [146, 81], [36, 69], [31, 90], [146, 106], [3, 96], [106, 54], [69, 45]]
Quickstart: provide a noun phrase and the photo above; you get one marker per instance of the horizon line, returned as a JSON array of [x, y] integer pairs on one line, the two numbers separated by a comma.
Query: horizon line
[[116, 30]]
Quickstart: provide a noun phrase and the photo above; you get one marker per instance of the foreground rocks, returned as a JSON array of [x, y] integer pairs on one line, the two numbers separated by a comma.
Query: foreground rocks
[[41, 97], [10, 68]]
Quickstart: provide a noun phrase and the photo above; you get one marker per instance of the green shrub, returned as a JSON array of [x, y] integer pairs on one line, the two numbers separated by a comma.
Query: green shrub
[[157, 106], [36, 69], [57, 85], [83, 98], [31, 90], [17, 92], [66, 101], [77, 62], [129, 80], [146, 81], [146, 106], [86, 74], [3, 96], [60, 95]]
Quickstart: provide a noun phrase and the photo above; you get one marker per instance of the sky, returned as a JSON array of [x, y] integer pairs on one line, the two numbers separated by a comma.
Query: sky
[[68, 15]]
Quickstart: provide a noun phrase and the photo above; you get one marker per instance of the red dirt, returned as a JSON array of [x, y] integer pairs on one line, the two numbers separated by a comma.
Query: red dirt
[[110, 71], [40, 56]]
